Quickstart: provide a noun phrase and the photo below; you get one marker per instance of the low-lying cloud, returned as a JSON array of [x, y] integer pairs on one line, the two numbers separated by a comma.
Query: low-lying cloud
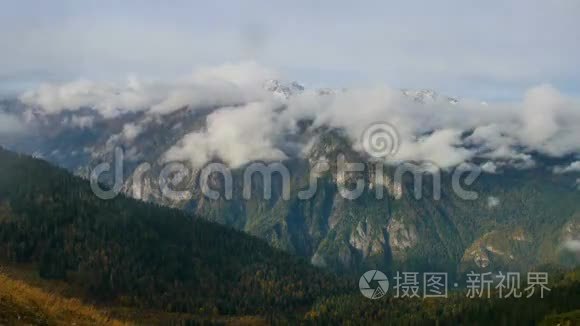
[[249, 123], [492, 202], [10, 124], [234, 135], [572, 167], [572, 245], [206, 87]]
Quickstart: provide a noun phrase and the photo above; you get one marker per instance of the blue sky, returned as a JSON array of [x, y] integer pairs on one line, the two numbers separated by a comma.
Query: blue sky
[[492, 49]]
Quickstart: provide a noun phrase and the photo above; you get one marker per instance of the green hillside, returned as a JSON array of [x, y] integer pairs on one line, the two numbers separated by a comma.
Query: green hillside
[[130, 253], [149, 264], [519, 220], [558, 307]]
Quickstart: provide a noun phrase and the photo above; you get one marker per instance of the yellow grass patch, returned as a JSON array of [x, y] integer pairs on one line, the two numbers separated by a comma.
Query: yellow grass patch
[[21, 303]]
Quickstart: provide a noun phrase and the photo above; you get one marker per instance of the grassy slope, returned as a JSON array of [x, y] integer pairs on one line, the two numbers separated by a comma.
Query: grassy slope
[[26, 298], [21, 303], [143, 256]]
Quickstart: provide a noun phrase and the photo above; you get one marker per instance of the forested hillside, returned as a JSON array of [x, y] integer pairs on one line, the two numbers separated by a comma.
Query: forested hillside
[[560, 306], [127, 252]]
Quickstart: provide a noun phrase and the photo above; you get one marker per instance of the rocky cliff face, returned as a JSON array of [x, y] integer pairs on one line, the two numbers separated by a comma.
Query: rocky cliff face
[[529, 216], [499, 249], [397, 231]]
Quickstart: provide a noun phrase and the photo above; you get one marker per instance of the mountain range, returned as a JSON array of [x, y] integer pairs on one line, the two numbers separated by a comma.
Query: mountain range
[[71, 258], [525, 215]]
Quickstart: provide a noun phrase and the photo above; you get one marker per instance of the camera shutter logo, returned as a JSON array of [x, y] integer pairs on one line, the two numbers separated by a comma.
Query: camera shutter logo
[[380, 290]]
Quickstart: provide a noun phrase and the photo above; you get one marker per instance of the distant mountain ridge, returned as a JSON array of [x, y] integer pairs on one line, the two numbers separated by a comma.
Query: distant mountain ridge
[[397, 232]]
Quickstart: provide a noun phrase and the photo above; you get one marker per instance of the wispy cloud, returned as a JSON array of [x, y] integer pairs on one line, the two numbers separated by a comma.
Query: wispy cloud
[[572, 167], [572, 245], [10, 124], [246, 122], [223, 85]]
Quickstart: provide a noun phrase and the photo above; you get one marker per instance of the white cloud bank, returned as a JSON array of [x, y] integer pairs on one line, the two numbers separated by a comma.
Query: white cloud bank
[[573, 167], [224, 85], [236, 135], [251, 124]]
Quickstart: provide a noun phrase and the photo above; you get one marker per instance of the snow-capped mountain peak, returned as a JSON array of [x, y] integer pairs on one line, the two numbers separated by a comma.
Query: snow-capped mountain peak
[[283, 89], [426, 96]]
